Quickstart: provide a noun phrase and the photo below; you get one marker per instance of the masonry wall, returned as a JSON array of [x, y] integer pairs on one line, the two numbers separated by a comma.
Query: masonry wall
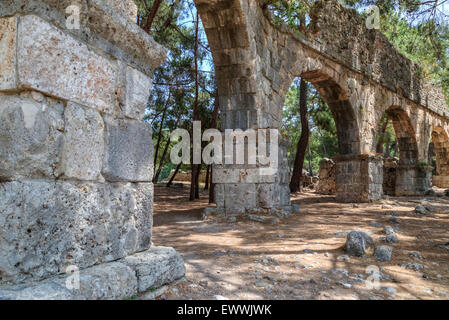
[[75, 156]]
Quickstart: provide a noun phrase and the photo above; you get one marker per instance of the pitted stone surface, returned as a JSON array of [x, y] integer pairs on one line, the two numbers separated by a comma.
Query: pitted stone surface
[[156, 267], [45, 226], [55, 63], [8, 31], [129, 151], [138, 88], [31, 136], [83, 150]]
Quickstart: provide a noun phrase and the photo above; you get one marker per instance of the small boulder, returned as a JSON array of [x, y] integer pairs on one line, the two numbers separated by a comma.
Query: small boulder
[[420, 210], [383, 253], [388, 230], [296, 209], [357, 242], [393, 219], [430, 193], [376, 224]]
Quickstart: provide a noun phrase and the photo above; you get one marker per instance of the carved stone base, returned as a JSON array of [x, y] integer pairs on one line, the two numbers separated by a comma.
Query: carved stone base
[[121, 279]]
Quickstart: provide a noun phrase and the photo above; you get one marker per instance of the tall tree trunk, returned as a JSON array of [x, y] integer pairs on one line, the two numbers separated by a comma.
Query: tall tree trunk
[[159, 138], [197, 181], [152, 15], [387, 146], [161, 163], [206, 183], [381, 135], [326, 155], [303, 140], [396, 148], [170, 182], [310, 162], [193, 180], [214, 126]]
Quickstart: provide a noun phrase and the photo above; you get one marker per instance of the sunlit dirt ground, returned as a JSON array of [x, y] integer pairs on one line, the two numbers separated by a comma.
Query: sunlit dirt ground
[[302, 257]]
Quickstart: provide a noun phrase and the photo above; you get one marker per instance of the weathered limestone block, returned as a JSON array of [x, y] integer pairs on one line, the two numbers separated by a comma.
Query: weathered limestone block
[[31, 136], [114, 280], [137, 93], [129, 151], [131, 207], [8, 30], [359, 178], [54, 63], [83, 150], [240, 197], [156, 267], [269, 195], [125, 8], [46, 226], [412, 180]]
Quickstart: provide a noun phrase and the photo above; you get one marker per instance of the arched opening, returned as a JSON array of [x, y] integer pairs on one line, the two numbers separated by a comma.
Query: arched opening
[[404, 174], [343, 113], [405, 136]]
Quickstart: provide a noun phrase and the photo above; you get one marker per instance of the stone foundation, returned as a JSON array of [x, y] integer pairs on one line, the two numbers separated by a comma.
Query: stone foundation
[[359, 178], [441, 181], [121, 279], [75, 156], [412, 180], [242, 189]]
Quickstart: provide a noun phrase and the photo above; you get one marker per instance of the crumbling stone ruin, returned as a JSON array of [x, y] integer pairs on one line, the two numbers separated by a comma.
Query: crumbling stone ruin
[[361, 80], [75, 156], [326, 184], [390, 167]]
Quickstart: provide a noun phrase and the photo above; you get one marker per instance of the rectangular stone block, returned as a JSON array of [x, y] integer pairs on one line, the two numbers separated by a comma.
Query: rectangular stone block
[[128, 151], [8, 33], [156, 267], [83, 150], [47, 226], [31, 136], [46, 59], [240, 196], [137, 92], [269, 195]]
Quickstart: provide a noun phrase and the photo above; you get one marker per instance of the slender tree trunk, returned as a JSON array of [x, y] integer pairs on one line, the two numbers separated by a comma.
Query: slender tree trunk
[[213, 126], [193, 180], [159, 138], [170, 182], [387, 146], [206, 183], [161, 163], [310, 162], [396, 148], [303, 140], [152, 15], [326, 155], [197, 181]]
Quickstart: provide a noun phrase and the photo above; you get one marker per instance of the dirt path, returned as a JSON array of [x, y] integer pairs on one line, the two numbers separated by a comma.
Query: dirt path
[[302, 257]]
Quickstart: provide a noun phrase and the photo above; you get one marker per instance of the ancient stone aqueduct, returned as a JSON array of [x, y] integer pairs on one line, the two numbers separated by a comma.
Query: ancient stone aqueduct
[[76, 157]]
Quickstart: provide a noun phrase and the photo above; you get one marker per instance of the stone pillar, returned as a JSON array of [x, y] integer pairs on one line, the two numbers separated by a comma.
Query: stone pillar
[[413, 180], [359, 178], [75, 156], [248, 189]]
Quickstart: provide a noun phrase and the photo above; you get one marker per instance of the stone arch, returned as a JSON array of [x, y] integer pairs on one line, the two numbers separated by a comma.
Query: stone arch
[[405, 134], [344, 116]]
